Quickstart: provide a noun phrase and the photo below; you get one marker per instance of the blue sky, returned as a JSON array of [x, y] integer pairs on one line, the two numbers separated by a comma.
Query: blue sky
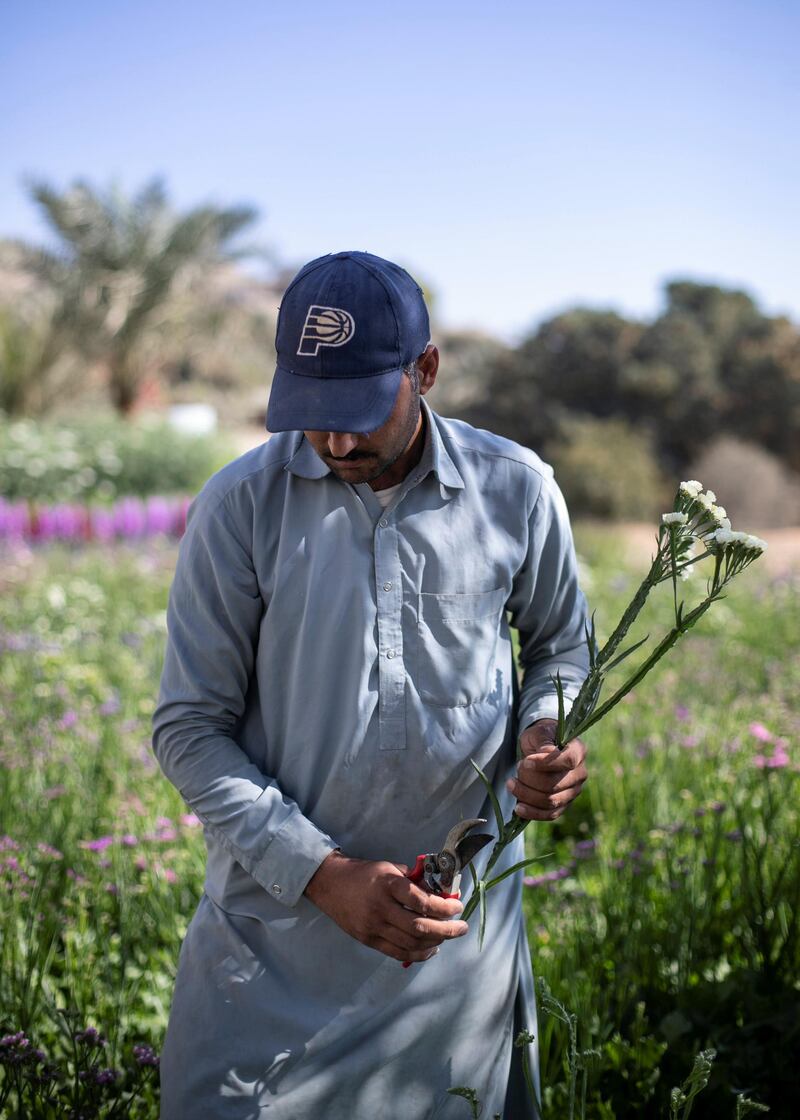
[[518, 157]]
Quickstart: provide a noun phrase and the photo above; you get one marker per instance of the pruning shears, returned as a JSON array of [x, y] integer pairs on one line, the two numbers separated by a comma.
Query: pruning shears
[[440, 872]]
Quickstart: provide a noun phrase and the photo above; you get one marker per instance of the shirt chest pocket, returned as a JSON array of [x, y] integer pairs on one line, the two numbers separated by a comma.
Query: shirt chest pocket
[[457, 637]]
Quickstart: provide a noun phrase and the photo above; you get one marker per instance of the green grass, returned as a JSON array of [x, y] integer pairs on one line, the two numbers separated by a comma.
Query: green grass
[[673, 926]]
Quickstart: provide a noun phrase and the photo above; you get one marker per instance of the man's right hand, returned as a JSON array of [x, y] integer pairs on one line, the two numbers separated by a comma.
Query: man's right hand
[[378, 906]]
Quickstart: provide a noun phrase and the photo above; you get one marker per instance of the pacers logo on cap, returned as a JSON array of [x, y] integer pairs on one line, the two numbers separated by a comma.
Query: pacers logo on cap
[[325, 326]]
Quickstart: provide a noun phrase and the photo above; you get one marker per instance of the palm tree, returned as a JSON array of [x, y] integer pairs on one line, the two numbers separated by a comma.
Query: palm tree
[[119, 259]]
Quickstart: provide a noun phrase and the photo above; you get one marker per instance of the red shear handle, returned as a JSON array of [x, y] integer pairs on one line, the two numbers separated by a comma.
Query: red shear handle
[[416, 875]]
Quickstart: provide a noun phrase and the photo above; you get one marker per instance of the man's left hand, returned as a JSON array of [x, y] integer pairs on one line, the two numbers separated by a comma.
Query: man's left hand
[[547, 778]]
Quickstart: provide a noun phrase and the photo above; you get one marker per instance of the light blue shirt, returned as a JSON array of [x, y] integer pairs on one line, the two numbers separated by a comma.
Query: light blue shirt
[[331, 668]]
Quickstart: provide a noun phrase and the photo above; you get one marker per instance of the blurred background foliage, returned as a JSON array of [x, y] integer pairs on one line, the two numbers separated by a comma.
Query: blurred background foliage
[[132, 307]]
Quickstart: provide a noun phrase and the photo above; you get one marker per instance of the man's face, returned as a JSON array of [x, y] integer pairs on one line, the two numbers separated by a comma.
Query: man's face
[[357, 457]]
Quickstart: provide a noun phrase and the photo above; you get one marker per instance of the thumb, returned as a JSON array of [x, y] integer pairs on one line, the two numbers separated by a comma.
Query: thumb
[[540, 736]]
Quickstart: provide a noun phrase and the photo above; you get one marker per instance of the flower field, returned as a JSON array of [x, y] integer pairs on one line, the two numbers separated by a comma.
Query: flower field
[[665, 921]]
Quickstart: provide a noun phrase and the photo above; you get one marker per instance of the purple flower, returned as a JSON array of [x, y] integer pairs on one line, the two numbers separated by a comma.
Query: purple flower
[[780, 758], [145, 1055], [107, 1076], [585, 848], [69, 719], [14, 520], [129, 840], [129, 518], [90, 1036], [553, 876], [9, 1041], [734, 835], [102, 524], [110, 706], [98, 845], [681, 712], [717, 807], [47, 850], [760, 732], [190, 820], [160, 516]]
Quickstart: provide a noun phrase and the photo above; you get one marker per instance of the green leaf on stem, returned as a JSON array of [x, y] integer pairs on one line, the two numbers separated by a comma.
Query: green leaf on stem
[[470, 1096], [517, 867], [627, 653], [482, 917], [498, 812], [591, 641], [559, 687]]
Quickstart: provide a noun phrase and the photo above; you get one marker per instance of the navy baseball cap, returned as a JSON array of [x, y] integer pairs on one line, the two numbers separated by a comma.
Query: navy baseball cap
[[348, 325]]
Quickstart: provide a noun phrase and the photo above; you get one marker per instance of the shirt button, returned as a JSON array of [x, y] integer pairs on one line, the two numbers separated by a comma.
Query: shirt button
[[387, 586], [276, 888], [383, 523], [390, 653]]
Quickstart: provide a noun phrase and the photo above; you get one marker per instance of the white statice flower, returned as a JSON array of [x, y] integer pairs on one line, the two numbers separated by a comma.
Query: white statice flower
[[56, 597], [674, 518], [692, 488], [719, 513], [756, 544], [684, 573], [724, 536]]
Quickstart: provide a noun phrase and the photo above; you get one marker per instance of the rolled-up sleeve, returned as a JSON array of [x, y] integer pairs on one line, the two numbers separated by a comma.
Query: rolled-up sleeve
[[549, 609], [213, 619]]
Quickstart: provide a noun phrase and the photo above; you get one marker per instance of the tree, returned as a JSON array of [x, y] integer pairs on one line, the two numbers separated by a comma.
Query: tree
[[576, 358], [571, 362], [33, 364], [762, 383], [118, 261]]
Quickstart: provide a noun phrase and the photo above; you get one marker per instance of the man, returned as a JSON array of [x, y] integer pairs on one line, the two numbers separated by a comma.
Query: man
[[338, 651]]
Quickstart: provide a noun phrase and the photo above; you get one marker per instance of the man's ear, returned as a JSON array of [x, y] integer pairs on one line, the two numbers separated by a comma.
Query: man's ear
[[427, 367]]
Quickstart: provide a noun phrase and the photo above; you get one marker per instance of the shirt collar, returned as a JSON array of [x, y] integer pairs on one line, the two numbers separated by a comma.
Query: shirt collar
[[305, 463]]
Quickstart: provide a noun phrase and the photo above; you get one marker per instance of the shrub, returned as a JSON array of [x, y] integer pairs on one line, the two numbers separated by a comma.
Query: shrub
[[101, 460], [759, 490], [606, 469]]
